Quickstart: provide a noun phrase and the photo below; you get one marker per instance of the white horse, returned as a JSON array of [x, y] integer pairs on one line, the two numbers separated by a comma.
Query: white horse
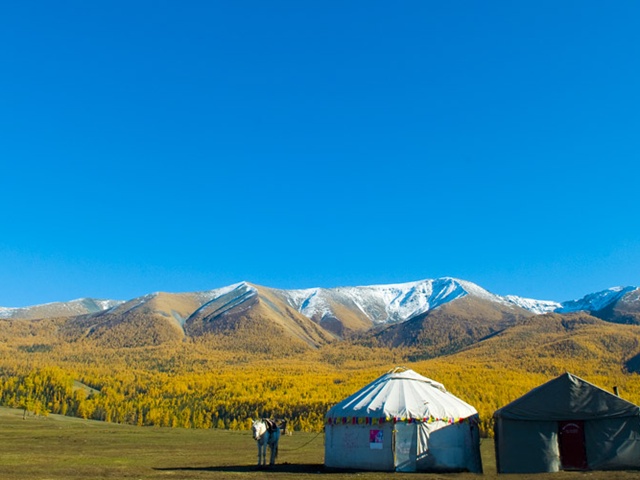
[[266, 432]]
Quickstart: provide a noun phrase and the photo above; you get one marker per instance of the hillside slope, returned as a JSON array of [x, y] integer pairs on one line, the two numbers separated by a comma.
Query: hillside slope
[[575, 342], [73, 308], [150, 320], [433, 317], [449, 328], [349, 310], [626, 308], [254, 318]]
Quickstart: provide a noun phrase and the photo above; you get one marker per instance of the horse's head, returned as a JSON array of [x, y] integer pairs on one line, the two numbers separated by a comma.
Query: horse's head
[[258, 428]]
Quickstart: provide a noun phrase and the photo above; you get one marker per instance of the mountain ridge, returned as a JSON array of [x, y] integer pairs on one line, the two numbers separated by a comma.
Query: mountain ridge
[[365, 306]]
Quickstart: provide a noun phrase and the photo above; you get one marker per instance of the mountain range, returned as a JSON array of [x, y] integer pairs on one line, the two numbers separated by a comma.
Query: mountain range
[[438, 316]]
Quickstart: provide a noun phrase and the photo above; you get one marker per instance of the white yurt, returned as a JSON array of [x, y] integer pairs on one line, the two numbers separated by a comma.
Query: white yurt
[[403, 422]]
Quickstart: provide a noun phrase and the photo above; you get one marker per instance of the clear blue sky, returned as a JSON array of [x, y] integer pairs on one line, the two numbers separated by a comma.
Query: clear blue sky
[[181, 146]]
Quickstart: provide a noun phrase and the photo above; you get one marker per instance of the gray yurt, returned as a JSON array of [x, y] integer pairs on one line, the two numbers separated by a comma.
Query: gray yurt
[[403, 422], [567, 424]]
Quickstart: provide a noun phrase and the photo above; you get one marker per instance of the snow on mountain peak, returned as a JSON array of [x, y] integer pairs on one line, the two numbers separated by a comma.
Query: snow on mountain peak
[[385, 303], [380, 304], [595, 301], [210, 295], [79, 306], [536, 306]]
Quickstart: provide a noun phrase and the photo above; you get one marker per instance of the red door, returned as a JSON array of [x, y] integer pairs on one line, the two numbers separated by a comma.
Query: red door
[[573, 454]]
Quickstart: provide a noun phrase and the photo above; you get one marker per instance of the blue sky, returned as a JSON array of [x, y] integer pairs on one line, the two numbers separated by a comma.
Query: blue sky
[[181, 146]]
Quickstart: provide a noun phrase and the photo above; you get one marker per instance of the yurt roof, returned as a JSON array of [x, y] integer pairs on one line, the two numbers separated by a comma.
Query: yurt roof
[[404, 395], [567, 397]]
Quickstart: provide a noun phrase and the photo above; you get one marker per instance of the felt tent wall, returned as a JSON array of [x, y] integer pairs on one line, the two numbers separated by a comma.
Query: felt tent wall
[[567, 424], [405, 422]]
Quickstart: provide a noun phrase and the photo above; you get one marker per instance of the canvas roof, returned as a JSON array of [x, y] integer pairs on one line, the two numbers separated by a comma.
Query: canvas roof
[[567, 398], [403, 394]]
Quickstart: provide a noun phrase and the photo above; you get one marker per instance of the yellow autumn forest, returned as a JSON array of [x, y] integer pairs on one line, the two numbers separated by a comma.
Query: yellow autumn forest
[[209, 382]]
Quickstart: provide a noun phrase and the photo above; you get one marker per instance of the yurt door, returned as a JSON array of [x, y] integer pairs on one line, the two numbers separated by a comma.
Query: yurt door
[[573, 454], [405, 447]]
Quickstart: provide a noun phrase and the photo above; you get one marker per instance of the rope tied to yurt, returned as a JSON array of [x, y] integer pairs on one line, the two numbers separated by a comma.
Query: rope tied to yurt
[[301, 446]]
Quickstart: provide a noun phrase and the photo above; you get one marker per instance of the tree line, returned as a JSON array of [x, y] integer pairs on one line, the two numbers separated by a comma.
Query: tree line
[[207, 384]]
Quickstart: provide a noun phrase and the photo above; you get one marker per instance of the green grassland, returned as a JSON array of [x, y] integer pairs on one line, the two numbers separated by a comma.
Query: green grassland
[[63, 448]]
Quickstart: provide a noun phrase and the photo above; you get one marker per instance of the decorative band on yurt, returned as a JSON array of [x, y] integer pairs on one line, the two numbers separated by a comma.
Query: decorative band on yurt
[[381, 420]]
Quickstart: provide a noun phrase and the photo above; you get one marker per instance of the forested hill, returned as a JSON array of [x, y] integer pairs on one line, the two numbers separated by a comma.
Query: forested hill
[[220, 378]]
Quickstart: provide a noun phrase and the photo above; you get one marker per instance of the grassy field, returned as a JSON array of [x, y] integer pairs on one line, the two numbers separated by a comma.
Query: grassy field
[[63, 448]]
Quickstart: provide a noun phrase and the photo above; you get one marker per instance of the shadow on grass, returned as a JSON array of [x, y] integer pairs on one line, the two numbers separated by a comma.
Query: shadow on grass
[[308, 468]]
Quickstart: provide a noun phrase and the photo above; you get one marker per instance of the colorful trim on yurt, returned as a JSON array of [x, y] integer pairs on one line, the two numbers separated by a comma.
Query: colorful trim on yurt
[[381, 420]]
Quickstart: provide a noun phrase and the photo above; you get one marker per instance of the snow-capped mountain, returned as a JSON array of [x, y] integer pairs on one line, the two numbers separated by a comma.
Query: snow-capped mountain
[[384, 303], [399, 302], [339, 310], [535, 306], [81, 306], [595, 302], [255, 312]]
